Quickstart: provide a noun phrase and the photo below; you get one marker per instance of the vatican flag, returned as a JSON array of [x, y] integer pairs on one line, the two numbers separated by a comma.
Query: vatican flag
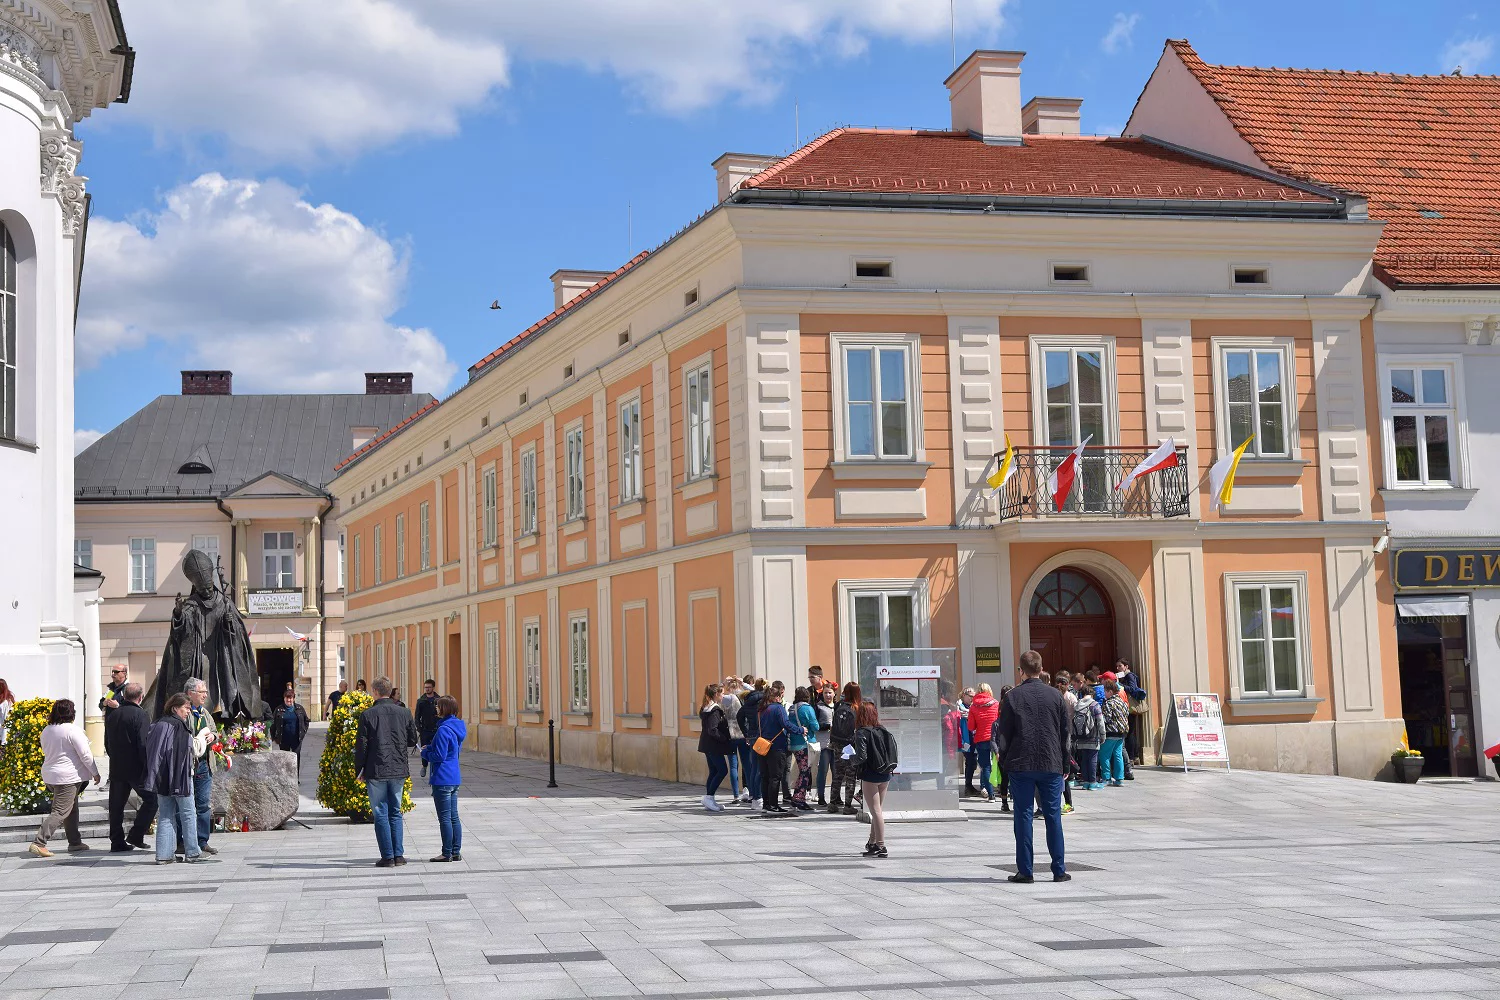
[[1221, 476], [1007, 467]]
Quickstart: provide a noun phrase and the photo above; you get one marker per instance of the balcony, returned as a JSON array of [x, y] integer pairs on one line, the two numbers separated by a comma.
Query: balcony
[[1159, 494]]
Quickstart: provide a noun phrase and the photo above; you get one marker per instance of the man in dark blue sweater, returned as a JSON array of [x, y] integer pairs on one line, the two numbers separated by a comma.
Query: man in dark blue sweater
[[1034, 730]]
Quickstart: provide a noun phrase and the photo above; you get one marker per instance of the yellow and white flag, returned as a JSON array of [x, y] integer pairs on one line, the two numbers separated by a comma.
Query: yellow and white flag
[[1221, 476], [1007, 467]]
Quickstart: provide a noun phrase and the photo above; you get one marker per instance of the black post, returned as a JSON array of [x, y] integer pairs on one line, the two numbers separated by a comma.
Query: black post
[[551, 753]]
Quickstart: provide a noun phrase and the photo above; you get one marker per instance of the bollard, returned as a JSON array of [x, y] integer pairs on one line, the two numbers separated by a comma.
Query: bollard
[[551, 753]]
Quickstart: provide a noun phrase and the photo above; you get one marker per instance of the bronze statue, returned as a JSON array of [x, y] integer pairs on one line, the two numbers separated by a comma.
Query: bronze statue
[[208, 640]]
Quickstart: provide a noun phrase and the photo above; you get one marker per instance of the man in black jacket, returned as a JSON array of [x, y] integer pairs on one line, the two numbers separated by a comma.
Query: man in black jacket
[[1034, 731], [125, 731], [427, 716], [385, 735]]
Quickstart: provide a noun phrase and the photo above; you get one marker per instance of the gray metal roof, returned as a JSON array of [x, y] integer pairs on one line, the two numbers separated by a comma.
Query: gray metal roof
[[243, 437]]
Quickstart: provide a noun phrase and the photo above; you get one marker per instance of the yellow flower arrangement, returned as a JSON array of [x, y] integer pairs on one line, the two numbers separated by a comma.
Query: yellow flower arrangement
[[338, 789], [21, 787]]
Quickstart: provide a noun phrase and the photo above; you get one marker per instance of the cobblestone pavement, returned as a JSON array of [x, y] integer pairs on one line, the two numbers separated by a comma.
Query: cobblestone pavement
[[1208, 885]]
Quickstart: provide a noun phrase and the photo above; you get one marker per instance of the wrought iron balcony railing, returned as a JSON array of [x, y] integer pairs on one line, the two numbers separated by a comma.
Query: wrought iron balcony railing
[[1100, 470]]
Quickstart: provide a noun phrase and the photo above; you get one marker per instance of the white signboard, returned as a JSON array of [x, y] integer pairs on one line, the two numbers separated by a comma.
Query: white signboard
[[274, 602], [1198, 721]]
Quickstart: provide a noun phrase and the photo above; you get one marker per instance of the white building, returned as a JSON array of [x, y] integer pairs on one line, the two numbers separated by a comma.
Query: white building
[[59, 61]]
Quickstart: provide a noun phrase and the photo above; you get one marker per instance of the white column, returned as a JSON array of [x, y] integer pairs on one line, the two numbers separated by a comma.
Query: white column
[[93, 679], [310, 532]]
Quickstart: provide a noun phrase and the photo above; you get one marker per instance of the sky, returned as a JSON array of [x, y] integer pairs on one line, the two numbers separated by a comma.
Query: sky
[[303, 192]]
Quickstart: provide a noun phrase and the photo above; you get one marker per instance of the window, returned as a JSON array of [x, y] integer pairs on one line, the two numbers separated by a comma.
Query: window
[[878, 414], [1422, 421], [401, 662], [1257, 387], [359, 661], [573, 464], [83, 552], [524, 396], [1074, 394], [9, 307], [426, 657], [531, 660], [343, 667], [689, 298], [358, 564], [492, 667], [624, 338], [1252, 276], [424, 532], [578, 662], [490, 505], [698, 404], [379, 659], [143, 565], [567, 371], [379, 569], [1070, 274], [343, 557], [884, 621], [279, 548], [630, 450], [872, 269], [208, 545], [528, 491], [1268, 622], [400, 546]]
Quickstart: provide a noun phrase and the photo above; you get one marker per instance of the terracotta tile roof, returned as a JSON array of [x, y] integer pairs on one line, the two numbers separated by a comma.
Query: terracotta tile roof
[[378, 440], [908, 161], [1424, 150]]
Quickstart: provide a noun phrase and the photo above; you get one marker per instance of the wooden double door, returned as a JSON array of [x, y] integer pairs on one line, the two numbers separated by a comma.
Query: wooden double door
[[1072, 622]]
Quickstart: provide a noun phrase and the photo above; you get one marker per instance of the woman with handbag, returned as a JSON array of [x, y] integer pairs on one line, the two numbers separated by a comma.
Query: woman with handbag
[[714, 744], [773, 745], [874, 753]]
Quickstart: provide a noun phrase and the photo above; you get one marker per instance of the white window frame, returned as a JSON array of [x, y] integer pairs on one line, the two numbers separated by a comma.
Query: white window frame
[[10, 336], [343, 664], [142, 565], [359, 660], [424, 531], [343, 562], [1456, 411], [698, 427], [492, 668], [375, 553], [528, 491], [1287, 348], [848, 590], [83, 552], [280, 554], [427, 658], [839, 345], [1233, 584], [632, 452], [531, 664], [379, 659], [575, 495], [209, 546], [491, 507], [402, 663], [578, 661], [400, 546], [1039, 346]]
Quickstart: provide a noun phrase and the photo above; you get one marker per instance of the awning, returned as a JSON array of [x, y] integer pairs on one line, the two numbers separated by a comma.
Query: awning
[[1432, 607]]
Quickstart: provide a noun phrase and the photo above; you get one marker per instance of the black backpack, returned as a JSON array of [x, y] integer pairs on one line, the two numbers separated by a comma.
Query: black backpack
[[749, 715], [880, 750], [843, 723]]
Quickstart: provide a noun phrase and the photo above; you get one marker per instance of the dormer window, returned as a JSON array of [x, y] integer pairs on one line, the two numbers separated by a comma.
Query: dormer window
[[199, 463]]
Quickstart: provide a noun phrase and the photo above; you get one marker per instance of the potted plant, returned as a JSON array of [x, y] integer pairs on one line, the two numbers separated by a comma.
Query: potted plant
[[1408, 765]]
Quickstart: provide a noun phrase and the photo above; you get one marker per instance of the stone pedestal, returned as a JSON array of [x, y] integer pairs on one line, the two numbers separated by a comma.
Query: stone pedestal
[[260, 787]]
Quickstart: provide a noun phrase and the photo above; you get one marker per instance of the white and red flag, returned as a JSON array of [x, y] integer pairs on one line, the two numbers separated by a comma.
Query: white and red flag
[[1060, 483], [1164, 457]]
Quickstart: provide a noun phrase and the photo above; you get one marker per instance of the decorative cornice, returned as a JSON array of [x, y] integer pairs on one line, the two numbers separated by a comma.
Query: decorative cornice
[[20, 50]]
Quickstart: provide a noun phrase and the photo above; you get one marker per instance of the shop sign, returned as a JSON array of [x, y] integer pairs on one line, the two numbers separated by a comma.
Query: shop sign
[[1195, 729], [1447, 569], [274, 602], [987, 659]]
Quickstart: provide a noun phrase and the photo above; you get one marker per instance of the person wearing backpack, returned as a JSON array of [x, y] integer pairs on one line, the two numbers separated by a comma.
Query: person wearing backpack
[[749, 720], [983, 712], [1088, 733], [840, 735], [1116, 727], [874, 753], [776, 728]]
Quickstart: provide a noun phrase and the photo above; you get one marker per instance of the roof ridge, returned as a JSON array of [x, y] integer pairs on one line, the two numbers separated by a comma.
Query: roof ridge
[[795, 156], [371, 444]]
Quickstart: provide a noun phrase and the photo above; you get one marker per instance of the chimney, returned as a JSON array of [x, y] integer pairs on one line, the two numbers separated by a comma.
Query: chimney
[[567, 284], [985, 94], [203, 383], [733, 169], [1051, 116], [361, 436], [387, 383]]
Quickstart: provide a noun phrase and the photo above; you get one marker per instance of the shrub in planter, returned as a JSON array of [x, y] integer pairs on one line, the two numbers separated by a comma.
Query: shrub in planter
[[337, 787], [21, 788]]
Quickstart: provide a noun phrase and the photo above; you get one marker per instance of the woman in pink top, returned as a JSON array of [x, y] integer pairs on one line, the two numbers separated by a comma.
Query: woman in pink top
[[67, 767]]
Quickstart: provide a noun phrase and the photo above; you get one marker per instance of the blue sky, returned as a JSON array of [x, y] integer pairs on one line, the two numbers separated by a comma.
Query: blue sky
[[302, 192]]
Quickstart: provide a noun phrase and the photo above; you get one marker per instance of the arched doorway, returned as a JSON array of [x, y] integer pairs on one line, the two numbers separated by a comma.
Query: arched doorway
[[1072, 621]]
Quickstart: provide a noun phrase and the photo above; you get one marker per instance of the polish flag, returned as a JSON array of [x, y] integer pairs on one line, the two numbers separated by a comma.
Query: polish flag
[[1164, 457], [1060, 483]]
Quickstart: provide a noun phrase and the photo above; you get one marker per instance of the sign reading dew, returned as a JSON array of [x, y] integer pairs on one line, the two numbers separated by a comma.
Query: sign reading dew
[[1447, 569]]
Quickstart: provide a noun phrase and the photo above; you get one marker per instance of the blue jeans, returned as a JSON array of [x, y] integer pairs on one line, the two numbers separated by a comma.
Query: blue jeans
[[736, 754], [1112, 758], [718, 770], [385, 809], [176, 814], [750, 768], [445, 798], [1088, 764], [982, 752], [203, 800], [1046, 788]]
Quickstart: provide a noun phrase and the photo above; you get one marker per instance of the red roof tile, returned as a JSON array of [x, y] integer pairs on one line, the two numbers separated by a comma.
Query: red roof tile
[[917, 162], [1424, 150]]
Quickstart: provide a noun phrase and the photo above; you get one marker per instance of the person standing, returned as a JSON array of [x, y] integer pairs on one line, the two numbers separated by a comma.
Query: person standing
[[1116, 727], [983, 713], [169, 774], [335, 696], [126, 732], [966, 741], [840, 737], [442, 753], [714, 744], [815, 684], [1087, 731], [1004, 789], [7, 702], [427, 716], [776, 727], [289, 725], [749, 716], [67, 767], [119, 676], [201, 723], [385, 736], [359, 686], [802, 738], [1135, 741], [1063, 681], [874, 755], [823, 708], [729, 701], [1034, 727]]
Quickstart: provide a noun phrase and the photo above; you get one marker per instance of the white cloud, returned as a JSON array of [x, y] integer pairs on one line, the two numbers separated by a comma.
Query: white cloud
[[83, 438], [1467, 54], [294, 81], [1120, 34], [247, 275]]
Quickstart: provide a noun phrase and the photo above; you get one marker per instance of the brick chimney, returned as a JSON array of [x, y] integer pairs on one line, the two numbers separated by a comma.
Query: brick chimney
[[733, 169], [387, 383], [568, 284], [1051, 116], [206, 383], [984, 94]]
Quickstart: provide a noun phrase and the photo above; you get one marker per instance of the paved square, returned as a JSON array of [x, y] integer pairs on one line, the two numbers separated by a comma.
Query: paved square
[[1207, 885]]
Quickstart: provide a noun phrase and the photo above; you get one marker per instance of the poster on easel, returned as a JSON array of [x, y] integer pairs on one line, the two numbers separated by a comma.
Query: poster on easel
[[1195, 729]]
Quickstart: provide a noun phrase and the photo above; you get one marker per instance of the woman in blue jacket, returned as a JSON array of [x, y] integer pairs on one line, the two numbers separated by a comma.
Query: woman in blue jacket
[[807, 718], [442, 754], [777, 729]]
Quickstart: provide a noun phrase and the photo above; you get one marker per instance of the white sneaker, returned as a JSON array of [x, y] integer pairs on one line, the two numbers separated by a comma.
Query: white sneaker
[[744, 795], [755, 803], [711, 804]]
